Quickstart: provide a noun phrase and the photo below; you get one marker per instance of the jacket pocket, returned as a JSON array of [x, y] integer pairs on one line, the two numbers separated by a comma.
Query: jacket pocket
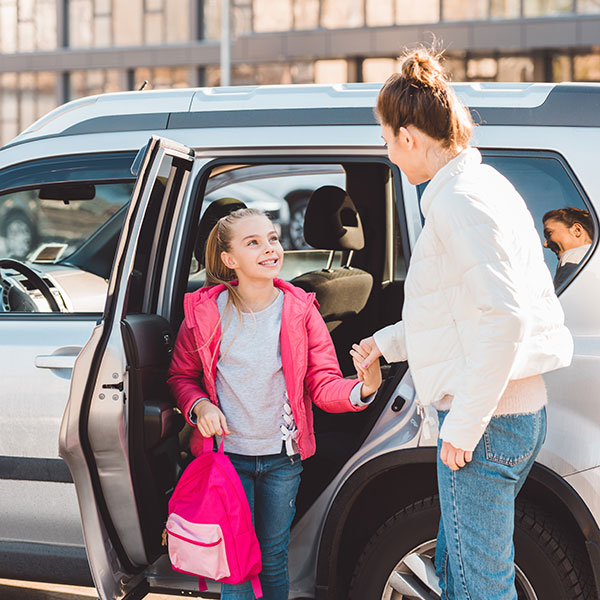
[[197, 548], [512, 439]]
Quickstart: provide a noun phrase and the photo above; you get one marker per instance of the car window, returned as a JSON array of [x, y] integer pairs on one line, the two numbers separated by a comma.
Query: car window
[[565, 225], [60, 220]]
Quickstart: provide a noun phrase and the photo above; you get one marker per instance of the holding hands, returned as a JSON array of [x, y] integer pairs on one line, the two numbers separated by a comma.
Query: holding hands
[[365, 357]]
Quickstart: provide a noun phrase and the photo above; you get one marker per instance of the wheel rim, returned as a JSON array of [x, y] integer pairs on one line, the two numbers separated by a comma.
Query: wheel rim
[[426, 550], [19, 238]]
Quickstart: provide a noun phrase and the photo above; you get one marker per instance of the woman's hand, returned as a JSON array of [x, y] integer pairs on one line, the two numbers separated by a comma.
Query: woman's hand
[[210, 420], [370, 375], [454, 458]]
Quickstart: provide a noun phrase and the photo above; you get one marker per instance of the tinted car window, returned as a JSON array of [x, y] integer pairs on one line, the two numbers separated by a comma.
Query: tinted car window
[[544, 182]]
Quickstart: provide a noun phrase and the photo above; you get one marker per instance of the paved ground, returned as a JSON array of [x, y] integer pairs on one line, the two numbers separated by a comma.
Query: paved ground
[[27, 590]]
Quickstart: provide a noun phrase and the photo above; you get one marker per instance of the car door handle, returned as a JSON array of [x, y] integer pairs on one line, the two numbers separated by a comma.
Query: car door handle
[[55, 361]]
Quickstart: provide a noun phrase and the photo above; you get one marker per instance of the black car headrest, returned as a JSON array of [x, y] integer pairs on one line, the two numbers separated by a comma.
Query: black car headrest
[[332, 221], [215, 210]]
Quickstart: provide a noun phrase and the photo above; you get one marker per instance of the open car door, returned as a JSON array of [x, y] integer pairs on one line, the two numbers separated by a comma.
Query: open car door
[[119, 430]]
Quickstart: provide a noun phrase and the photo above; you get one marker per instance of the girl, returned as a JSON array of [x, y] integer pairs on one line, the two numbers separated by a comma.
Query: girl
[[481, 323], [250, 357]]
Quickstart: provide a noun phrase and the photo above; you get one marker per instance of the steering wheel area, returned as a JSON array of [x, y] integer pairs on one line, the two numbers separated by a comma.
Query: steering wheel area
[[15, 299]]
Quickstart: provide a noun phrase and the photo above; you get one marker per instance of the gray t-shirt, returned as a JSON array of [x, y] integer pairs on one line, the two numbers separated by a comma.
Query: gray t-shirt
[[250, 383]]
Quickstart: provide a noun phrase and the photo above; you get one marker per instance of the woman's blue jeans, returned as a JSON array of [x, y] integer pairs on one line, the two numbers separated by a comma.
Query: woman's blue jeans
[[271, 484], [475, 552]]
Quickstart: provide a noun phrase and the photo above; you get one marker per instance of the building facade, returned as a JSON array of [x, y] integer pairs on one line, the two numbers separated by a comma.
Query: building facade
[[52, 51]]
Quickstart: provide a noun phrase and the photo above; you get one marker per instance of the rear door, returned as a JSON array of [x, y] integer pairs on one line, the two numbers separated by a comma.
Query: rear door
[[119, 425]]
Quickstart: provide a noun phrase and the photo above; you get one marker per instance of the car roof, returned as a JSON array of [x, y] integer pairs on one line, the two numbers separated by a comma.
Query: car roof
[[297, 105]]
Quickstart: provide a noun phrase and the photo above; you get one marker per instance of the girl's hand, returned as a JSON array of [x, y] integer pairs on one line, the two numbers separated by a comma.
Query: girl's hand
[[211, 421], [454, 458], [366, 352], [371, 375]]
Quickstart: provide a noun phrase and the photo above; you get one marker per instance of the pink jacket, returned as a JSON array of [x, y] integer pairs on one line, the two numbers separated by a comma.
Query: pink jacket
[[310, 366]]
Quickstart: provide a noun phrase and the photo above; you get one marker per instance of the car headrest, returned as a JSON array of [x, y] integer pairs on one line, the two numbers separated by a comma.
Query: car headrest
[[215, 210], [332, 221]]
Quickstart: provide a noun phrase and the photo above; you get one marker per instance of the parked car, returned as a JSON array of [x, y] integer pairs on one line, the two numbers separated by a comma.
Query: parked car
[[90, 442]]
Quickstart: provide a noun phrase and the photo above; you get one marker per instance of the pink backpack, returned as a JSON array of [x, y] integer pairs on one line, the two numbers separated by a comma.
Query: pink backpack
[[209, 529]]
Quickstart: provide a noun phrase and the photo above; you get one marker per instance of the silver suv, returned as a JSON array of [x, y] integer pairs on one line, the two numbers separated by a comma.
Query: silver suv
[[89, 316]]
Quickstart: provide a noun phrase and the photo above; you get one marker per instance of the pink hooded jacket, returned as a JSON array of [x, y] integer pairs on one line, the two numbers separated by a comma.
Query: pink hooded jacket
[[309, 361]]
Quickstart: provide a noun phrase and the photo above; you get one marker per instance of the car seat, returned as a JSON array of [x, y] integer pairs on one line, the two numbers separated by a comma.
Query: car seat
[[333, 223]]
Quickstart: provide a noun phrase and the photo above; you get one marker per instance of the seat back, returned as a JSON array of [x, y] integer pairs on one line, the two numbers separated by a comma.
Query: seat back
[[333, 223]]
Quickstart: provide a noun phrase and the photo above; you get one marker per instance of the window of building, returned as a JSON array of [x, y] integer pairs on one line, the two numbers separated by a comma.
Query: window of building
[[409, 12], [544, 183], [163, 77], [515, 68], [272, 16], [455, 66], [588, 6], [306, 14], [380, 13], [339, 14], [378, 69], [505, 9], [562, 68], [586, 67], [95, 81], [546, 8], [27, 26], [331, 71], [482, 68], [458, 10]]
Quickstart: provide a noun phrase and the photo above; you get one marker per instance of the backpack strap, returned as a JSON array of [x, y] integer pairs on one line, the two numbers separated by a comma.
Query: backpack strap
[[202, 584], [256, 587], [208, 444]]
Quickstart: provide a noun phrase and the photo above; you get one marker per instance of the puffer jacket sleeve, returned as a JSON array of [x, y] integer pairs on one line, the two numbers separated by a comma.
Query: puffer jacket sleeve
[[324, 381], [185, 372], [481, 255], [391, 343]]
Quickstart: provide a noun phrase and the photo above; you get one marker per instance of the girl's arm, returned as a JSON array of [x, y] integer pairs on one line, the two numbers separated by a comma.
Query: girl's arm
[[324, 381], [185, 372]]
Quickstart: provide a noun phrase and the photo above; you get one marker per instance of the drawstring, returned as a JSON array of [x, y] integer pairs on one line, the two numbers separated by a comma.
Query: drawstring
[[289, 430], [427, 421]]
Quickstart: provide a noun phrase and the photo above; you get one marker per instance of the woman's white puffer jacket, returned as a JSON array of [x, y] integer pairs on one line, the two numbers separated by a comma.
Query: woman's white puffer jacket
[[480, 308]]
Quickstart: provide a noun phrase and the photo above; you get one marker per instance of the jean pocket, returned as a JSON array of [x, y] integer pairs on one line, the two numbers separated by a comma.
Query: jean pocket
[[512, 439]]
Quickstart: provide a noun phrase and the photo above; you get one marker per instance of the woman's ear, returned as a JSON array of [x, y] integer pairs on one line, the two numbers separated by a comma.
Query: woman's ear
[[406, 137], [228, 260], [577, 229]]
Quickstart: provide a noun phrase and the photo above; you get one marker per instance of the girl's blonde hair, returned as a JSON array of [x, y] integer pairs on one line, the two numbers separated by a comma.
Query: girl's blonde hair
[[219, 240], [420, 95]]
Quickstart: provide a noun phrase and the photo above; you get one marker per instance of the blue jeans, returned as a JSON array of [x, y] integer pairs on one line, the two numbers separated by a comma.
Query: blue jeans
[[271, 484], [475, 552]]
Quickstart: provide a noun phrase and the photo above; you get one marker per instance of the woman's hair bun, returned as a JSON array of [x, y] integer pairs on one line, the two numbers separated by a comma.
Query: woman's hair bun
[[422, 68]]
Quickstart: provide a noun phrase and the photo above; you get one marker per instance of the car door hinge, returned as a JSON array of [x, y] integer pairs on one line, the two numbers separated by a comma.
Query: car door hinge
[[113, 386]]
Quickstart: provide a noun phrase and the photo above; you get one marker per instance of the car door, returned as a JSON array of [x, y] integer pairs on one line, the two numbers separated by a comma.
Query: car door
[[119, 422]]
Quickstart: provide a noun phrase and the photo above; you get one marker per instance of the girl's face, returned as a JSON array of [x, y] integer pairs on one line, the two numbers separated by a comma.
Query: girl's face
[[255, 252]]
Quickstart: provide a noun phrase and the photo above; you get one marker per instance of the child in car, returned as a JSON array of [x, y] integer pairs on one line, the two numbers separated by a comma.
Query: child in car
[[251, 356]]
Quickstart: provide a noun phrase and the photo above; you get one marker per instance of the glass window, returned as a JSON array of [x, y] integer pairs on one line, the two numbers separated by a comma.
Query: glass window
[[546, 8], [588, 6], [505, 9], [94, 81], [586, 67], [482, 68], [562, 68], [377, 70], [212, 19], [27, 25], [62, 217], [302, 72], [515, 68], [459, 10], [545, 185], [456, 67], [331, 71], [272, 16], [339, 14], [241, 17], [380, 13], [162, 77], [81, 23], [128, 22], [306, 14], [411, 12]]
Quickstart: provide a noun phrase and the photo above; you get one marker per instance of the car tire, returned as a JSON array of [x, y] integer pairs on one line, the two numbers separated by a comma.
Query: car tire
[[19, 235], [548, 566]]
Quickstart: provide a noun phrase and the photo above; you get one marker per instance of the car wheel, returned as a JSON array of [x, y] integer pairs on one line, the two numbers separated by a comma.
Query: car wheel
[[19, 235], [547, 566], [297, 212]]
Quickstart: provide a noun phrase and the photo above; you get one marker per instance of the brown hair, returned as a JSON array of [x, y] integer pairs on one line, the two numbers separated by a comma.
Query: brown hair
[[420, 95], [570, 216]]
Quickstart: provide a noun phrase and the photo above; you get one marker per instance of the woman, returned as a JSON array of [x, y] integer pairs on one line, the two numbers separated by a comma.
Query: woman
[[481, 323]]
